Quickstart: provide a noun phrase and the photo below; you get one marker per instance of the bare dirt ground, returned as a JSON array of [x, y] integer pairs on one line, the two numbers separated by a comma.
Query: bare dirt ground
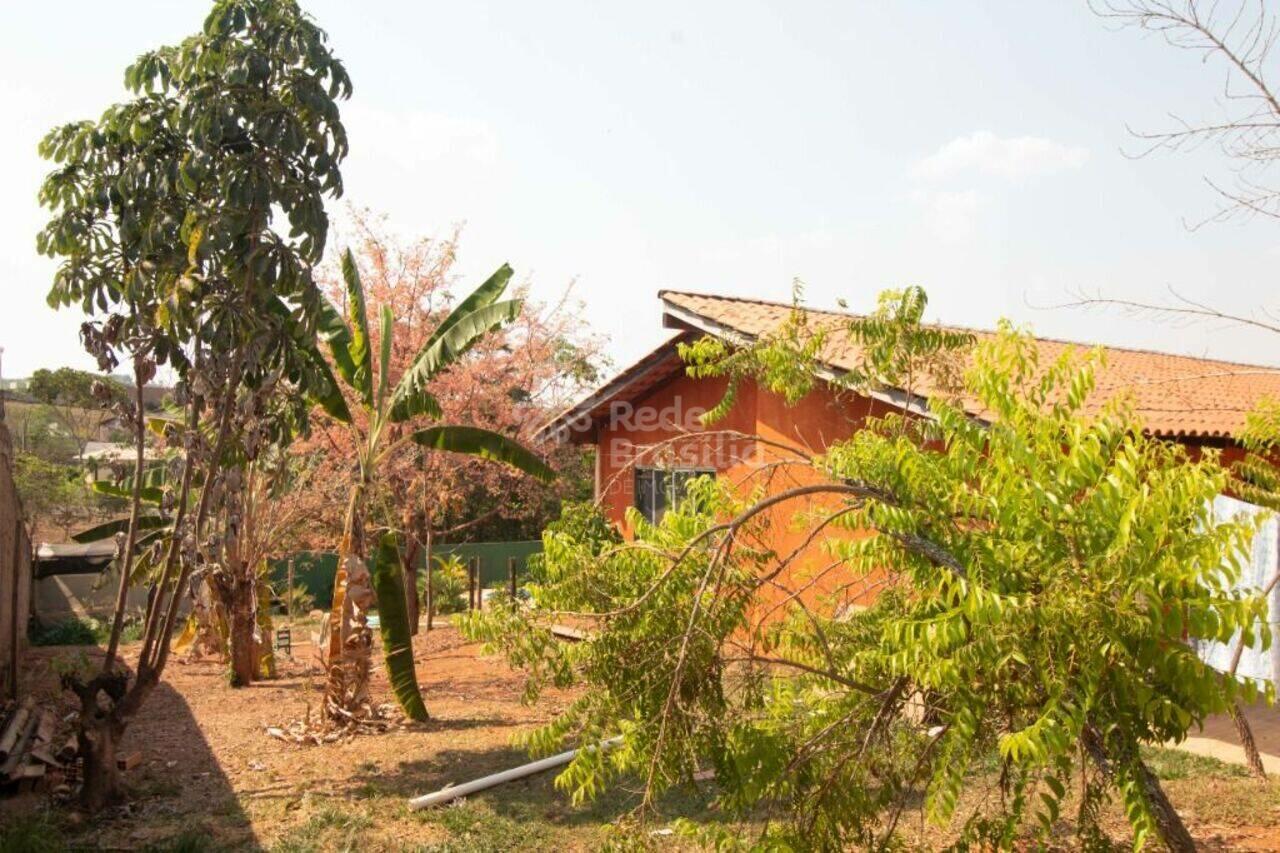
[[209, 766], [212, 779]]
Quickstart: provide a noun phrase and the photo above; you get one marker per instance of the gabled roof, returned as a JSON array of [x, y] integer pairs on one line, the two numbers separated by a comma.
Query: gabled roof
[[577, 423], [1181, 397]]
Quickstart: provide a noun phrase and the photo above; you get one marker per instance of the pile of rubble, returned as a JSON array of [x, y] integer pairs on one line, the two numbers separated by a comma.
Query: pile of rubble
[[29, 757]]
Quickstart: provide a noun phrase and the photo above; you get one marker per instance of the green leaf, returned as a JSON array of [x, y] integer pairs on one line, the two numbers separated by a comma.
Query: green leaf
[[486, 294], [384, 359], [485, 444], [361, 356], [393, 624], [411, 396], [330, 396], [149, 494], [119, 525]]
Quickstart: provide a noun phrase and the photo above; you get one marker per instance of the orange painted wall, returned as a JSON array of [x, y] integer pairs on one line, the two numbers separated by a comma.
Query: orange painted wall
[[662, 428]]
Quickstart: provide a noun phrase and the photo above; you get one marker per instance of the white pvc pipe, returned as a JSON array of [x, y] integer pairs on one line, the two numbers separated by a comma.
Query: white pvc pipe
[[452, 792]]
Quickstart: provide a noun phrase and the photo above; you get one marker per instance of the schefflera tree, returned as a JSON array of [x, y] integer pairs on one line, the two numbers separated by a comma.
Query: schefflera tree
[[1042, 576], [164, 214], [380, 429]]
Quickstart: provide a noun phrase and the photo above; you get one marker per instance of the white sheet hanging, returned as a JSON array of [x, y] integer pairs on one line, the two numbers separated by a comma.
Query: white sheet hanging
[[1260, 665]]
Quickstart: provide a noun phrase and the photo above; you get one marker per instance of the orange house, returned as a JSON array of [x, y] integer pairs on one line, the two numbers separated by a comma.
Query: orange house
[[649, 440]]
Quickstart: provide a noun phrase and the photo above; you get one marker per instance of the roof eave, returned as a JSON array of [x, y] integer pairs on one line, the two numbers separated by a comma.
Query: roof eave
[[676, 316], [575, 425]]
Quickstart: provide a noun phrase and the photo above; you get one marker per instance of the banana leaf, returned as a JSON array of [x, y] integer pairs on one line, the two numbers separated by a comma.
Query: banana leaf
[[393, 623], [486, 294], [148, 494], [384, 356], [358, 330], [411, 396], [485, 444], [120, 525], [415, 399], [184, 640], [329, 398]]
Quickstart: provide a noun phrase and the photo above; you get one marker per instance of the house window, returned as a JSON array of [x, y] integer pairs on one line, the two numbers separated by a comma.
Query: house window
[[660, 488]]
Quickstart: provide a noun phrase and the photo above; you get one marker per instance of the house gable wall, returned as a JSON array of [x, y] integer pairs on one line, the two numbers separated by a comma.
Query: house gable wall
[[662, 429]]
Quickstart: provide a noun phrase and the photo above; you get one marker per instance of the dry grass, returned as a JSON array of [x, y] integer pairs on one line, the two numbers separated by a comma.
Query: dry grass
[[212, 780]]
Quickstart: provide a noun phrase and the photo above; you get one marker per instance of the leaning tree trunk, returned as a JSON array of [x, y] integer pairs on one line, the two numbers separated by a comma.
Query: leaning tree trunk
[[1251, 755], [1169, 826], [1245, 732]]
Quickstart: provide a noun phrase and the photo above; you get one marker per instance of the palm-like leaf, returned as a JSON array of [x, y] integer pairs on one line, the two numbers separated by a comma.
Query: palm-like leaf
[[359, 348], [334, 332], [486, 294], [393, 624], [148, 494], [485, 444], [411, 396], [331, 399], [120, 525], [332, 329], [384, 356]]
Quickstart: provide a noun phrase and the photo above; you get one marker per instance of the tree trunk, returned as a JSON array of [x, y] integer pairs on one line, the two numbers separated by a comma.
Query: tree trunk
[[243, 621], [427, 541], [350, 641], [1169, 826], [125, 560], [106, 704], [99, 740], [1243, 729], [1251, 754], [431, 598], [409, 566]]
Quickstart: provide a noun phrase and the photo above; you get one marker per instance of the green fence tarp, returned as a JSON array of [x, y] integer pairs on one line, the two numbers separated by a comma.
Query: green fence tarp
[[315, 569]]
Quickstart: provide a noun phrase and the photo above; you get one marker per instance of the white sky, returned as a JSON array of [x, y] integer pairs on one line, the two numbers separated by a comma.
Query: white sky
[[974, 149]]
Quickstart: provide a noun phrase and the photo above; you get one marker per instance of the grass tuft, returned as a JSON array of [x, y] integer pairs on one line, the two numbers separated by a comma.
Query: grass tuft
[[1170, 764], [31, 834]]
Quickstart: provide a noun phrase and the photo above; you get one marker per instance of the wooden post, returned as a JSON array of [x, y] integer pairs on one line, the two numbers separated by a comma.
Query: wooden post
[[431, 599], [288, 598], [471, 584], [511, 574], [479, 586]]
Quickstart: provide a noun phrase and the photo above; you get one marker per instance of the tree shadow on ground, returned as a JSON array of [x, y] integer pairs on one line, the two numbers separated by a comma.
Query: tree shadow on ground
[[177, 792]]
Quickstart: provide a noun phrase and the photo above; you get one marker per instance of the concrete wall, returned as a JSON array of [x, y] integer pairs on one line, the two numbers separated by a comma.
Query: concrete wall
[[61, 597]]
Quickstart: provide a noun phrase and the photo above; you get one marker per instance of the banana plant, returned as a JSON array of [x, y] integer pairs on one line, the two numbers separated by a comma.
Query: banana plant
[[156, 526], [376, 438]]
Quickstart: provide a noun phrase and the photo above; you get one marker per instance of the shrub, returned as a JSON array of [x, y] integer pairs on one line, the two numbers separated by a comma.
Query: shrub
[[297, 600], [449, 584], [69, 632], [81, 631]]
